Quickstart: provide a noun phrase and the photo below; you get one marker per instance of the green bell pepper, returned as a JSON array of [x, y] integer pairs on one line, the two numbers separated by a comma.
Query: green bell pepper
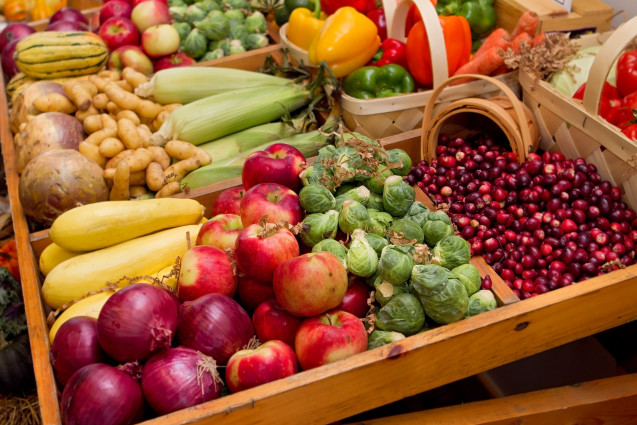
[[372, 81], [480, 13]]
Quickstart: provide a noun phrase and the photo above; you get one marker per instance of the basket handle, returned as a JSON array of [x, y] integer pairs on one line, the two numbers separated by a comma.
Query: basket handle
[[604, 60], [396, 17], [525, 133]]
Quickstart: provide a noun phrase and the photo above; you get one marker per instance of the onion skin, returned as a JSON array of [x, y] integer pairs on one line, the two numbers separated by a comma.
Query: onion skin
[[215, 325], [171, 380], [136, 321], [101, 394], [75, 346]]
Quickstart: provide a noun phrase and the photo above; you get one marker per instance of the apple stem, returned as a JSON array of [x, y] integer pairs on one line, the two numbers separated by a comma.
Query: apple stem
[[329, 319]]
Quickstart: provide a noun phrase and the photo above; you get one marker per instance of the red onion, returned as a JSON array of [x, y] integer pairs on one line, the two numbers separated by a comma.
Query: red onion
[[14, 31], [9, 65], [68, 14], [176, 378], [67, 25], [137, 320], [75, 345], [216, 325], [101, 394]]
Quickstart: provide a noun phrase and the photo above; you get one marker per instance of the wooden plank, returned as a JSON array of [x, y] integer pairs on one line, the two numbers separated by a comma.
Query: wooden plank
[[609, 401]]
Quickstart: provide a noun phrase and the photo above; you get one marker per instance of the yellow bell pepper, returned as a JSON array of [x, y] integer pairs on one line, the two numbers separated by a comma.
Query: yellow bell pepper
[[303, 24], [347, 41]]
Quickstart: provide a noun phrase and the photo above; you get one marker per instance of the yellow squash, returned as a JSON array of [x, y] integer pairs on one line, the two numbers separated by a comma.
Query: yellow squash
[[101, 224], [77, 276], [53, 255], [89, 306]]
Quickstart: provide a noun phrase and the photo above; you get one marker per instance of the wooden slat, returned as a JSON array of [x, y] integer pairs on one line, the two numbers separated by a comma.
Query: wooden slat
[[609, 401]]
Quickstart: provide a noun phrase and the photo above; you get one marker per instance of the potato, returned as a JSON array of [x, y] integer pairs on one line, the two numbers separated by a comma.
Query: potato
[[23, 104], [58, 180], [47, 131]]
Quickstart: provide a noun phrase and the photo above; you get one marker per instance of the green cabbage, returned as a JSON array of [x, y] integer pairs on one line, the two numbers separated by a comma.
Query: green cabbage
[[576, 71]]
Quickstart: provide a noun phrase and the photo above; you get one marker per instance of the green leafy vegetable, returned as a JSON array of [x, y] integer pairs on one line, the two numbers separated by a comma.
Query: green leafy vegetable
[[403, 313], [316, 198], [481, 301], [451, 251], [362, 260], [397, 196]]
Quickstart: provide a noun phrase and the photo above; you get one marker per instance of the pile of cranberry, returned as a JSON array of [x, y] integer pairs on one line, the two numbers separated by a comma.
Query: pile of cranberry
[[542, 224]]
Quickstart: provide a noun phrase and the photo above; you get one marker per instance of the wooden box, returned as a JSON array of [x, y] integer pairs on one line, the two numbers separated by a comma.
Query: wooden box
[[515, 330], [585, 15]]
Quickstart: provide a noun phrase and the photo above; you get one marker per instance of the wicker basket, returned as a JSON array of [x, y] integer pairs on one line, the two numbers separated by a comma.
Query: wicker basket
[[384, 117], [505, 115], [575, 128]]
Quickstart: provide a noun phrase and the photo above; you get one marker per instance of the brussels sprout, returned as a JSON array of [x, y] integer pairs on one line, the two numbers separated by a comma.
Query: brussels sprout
[[395, 263], [443, 297], [399, 157], [451, 251], [315, 198], [235, 17], [238, 32], [183, 29], [256, 23], [397, 196], [317, 173], [327, 155], [207, 5], [362, 260], [481, 301], [375, 202], [353, 216], [343, 188], [437, 226], [196, 44], [194, 14], [359, 194], [406, 230], [236, 46], [469, 275], [418, 213], [376, 241], [214, 27], [211, 55], [318, 226], [256, 41], [403, 313], [237, 4], [333, 246], [379, 338], [358, 136], [385, 291], [379, 221], [178, 13], [349, 165], [376, 183], [224, 45]]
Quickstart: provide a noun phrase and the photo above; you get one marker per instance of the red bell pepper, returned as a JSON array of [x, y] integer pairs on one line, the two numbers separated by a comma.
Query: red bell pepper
[[610, 106], [391, 51], [377, 16], [631, 131], [457, 37], [627, 72], [362, 6]]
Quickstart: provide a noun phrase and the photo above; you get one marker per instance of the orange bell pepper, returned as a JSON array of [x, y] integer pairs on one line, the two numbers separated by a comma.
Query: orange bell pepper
[[457, 35], [15, 10], [347, 41]]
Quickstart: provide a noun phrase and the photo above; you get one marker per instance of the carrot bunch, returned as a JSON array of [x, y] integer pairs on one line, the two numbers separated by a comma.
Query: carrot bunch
[[489, 58]]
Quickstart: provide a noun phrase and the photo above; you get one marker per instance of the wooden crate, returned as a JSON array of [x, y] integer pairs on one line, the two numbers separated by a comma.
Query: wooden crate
[[515, 330], [586, 15]]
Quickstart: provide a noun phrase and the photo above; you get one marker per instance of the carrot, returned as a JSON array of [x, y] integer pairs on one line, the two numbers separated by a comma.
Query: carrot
[[529, 22], [539, 39], [483, 64], [517, 42], [498, 38]]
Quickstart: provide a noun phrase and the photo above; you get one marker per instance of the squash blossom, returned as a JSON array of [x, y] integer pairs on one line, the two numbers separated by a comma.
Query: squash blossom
[[346, 41]]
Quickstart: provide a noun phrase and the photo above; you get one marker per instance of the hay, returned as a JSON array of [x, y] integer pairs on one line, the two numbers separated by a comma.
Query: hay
[[20, 410]]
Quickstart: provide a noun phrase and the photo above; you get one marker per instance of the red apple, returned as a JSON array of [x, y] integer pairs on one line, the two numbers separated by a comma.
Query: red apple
[[355, 299], [271, 201], [173, 61], [160, 40], [260, 250], [310, 284], [130, 56], [271, 321], [220, 231], [278, 163], [136, 2], [266, 363], [127, 1], [149, 13], [332, 336], [205, 269], [229, 201], [115, 8], [118, 32], [251, 292]]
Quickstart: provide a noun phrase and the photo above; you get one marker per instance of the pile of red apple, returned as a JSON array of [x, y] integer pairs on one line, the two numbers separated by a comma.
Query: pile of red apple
[[305, 308], [139, 34]]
